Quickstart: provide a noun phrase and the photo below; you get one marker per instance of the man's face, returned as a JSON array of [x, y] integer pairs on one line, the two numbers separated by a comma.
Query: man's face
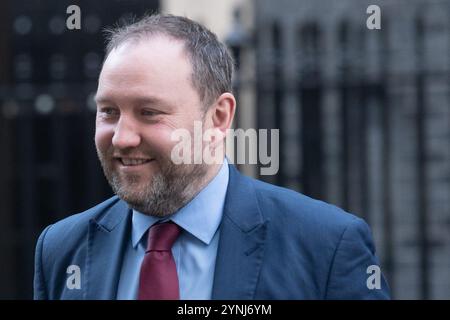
[[144, 94]]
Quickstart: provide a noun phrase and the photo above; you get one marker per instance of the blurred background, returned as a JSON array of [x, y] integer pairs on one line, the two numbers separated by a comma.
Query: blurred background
[[364, 117]]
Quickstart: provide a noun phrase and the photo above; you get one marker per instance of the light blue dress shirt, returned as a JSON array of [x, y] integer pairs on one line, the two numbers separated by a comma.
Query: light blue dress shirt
[[194, 251]]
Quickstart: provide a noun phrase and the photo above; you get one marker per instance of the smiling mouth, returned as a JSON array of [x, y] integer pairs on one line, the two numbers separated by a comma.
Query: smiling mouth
[[130, 162]]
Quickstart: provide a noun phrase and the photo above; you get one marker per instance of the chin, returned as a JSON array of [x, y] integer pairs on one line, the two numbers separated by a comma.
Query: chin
[[134, 180], [132, 198]]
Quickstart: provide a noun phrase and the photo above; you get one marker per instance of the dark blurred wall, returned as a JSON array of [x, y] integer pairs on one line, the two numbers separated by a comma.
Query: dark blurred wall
[[364, 119]]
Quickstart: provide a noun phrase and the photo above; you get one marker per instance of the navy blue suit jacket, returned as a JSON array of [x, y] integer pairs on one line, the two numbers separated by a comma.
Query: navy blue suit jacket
[[275, 244]]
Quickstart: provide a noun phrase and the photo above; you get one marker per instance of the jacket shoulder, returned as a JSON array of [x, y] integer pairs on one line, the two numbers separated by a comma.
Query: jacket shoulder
[[327, 249], [278, 202]]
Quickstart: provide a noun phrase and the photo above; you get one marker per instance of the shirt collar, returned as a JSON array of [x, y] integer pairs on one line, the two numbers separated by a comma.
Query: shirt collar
[[206, 206]]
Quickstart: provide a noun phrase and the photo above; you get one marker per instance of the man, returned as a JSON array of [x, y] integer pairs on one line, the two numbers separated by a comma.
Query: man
[[192, 231]]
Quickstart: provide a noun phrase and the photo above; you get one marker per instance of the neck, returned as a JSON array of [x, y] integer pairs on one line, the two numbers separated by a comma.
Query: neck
[[213, 170]]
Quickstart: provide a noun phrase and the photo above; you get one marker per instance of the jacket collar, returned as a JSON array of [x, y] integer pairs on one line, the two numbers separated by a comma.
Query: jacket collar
[[107, 237], [242, 239]]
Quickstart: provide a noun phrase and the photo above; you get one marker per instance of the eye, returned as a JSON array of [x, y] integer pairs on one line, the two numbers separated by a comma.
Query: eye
[[109, 111], [149, 113]]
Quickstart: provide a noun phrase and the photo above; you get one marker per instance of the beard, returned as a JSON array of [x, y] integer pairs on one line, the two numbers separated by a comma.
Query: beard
[[166, 192]]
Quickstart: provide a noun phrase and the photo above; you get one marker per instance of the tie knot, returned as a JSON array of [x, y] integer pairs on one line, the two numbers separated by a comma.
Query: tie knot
[[162, 236]]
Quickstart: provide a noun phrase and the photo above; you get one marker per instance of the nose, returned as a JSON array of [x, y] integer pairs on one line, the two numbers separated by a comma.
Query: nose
[[125, 135]]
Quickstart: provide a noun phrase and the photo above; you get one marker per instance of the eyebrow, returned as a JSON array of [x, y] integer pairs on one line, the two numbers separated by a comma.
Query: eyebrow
[[139, 100]]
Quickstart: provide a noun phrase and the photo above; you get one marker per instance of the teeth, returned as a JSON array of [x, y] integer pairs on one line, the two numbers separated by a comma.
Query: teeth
[[133, 162]]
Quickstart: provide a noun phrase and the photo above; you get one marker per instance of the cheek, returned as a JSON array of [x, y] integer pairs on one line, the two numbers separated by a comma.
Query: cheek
[[103, 137], [159, 139]]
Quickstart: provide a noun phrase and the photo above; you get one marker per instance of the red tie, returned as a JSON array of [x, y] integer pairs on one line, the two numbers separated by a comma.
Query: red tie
[[158, 278]]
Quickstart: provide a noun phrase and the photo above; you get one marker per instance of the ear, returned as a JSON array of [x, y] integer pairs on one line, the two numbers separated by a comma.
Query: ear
[[222, 112]]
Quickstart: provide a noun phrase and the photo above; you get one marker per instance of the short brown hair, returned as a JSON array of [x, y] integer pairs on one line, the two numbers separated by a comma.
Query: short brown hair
[[212, 64]]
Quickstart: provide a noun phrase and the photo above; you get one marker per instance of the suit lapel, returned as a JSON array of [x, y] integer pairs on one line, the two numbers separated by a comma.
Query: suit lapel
[[242, 239], [107, 238]]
